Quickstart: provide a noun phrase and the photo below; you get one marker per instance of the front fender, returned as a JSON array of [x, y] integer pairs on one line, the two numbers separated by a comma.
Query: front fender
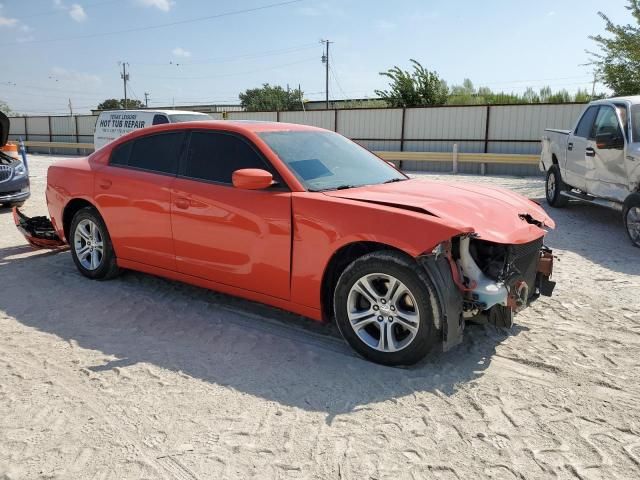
[[324, 224]]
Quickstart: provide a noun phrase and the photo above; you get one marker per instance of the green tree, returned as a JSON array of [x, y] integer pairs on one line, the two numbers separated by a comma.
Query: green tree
[[271, 97], [115, 104], [412, 89], [4, 108], [618, 62]]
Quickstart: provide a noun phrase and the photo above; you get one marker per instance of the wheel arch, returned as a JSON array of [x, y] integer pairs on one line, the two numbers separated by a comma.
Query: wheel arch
[[340, 259], [70, 209]]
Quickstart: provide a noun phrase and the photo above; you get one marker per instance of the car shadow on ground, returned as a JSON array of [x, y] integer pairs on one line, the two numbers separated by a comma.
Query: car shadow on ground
[[222, 340], [581, 229]]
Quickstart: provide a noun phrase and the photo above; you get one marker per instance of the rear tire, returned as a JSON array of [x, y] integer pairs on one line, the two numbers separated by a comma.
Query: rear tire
[[387, 309], [91, 246], [631, 216], [553, 186]]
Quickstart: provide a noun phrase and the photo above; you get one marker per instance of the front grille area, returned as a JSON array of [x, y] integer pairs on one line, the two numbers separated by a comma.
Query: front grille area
[[5, 173], [524, 258]]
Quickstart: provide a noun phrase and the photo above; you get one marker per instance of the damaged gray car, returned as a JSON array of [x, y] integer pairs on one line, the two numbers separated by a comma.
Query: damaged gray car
[[14, 178]]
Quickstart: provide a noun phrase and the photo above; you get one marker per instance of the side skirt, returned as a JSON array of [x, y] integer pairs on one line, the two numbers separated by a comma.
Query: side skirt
[[303, 310]]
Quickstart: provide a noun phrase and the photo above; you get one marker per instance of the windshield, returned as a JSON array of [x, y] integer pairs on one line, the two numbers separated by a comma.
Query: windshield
[[635, 122], [327, 161], [189, 117]]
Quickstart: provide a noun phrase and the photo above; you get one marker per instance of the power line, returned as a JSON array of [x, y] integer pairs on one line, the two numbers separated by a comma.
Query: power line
[[58, 11], [231, 74], [160, 25], [215, 60]]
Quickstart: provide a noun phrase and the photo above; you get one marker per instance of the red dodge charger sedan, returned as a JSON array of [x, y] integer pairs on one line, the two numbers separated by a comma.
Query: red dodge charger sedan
[[303, 219]]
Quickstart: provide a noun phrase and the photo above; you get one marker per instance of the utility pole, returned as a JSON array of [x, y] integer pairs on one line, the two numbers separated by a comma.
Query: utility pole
[[146, 99], [593, 88], [125, 78], [325, 60], [70, 108]]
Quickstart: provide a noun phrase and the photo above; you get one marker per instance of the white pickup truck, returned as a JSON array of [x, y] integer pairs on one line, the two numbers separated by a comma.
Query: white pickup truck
[[598, 161]]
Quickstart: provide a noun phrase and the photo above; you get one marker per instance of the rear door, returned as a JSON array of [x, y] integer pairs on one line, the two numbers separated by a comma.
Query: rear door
[[133, 193], [580, 149], [240, 238]]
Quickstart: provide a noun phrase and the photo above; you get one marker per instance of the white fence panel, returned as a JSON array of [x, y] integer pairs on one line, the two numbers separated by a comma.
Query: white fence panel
[[63, 126], [87, 124], [445, 123], [527, 122], [38, 126], [17, 126], [382, 124], [319, 118], [263, 116]]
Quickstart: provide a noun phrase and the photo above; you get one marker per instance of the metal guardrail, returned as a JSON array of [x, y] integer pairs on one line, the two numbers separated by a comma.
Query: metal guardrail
[[501, 158], [70, 145]]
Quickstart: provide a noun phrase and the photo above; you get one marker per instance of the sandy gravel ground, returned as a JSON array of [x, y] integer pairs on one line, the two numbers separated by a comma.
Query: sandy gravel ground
[[146, 378]]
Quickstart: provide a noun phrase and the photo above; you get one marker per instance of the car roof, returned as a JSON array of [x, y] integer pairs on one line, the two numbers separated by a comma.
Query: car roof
[[631, 100], [234, 125], [144, 110]]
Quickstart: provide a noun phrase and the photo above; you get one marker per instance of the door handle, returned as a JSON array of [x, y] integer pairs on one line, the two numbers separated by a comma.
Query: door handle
[[590, 152], [182, 203], [570, 146], [104, 184]]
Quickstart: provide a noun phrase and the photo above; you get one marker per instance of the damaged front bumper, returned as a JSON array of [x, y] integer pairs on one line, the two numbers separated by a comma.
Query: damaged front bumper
[[38, 231]]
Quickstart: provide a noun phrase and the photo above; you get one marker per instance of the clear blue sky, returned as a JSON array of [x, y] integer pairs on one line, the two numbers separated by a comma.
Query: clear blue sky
[[55, 49]]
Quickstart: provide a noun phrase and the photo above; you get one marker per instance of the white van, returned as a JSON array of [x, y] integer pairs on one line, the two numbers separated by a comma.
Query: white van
[[112, 124]]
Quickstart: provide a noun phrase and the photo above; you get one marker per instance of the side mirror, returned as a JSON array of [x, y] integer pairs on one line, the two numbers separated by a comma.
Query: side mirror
[[252, 179], [609, 141]]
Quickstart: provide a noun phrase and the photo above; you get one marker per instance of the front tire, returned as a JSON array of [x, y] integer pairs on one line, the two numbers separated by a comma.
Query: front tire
[[631, 215], [91, 246], [387, 309], [553, 188]]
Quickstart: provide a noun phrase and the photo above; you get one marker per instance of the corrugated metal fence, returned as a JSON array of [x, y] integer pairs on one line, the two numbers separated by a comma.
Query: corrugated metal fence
[[514, 129]]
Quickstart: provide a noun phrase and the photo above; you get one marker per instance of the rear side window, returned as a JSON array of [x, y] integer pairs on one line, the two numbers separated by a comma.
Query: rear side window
[[160, 119], [585, 126], [215, 156], [121, 154], [158, 153]]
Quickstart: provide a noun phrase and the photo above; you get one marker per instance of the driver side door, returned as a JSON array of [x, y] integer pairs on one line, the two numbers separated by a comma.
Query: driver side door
[[610, 176], [237, 237]]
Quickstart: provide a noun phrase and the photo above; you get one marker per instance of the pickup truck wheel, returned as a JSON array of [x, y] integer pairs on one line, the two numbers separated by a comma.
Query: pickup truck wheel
[[631, 212], [387, 309], [553, 186], [91, 246]]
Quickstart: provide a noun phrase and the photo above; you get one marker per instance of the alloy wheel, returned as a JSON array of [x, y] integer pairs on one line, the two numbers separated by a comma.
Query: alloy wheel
[[383, 312], [88, 244], [633, 224]]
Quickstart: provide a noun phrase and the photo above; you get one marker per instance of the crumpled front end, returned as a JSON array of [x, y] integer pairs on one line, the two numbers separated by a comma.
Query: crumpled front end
[[38, 231], [499, 280]]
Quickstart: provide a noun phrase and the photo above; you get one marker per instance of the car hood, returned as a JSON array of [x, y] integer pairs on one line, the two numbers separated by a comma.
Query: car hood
[[4, 129], [494, 214]]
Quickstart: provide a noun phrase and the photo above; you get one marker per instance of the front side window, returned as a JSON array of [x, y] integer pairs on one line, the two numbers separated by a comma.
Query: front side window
[[324, 160], [585, 126], [158, 153], [607, 122], [214, 156]]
